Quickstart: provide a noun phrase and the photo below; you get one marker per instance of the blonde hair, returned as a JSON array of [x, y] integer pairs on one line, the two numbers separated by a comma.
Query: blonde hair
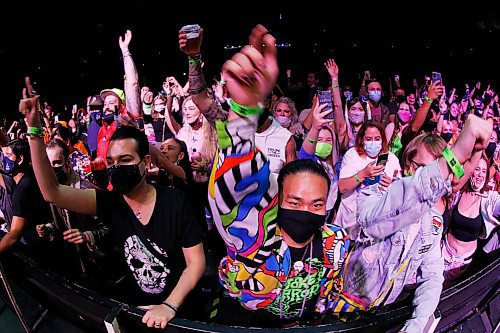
[[295, 127], [209, 134], [433, 143]]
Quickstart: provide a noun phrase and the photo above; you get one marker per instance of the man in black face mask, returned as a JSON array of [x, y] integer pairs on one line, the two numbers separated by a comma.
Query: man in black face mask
[[283, 262], [74, 228], [28, 206], [160, 243]]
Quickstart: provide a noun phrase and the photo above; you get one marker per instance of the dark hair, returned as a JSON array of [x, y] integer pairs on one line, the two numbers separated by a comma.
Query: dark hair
[[63, 132], [184, 163], [372, 81], [299, 166], [20, 147], [129, 132], [360, 137], [58, 143]]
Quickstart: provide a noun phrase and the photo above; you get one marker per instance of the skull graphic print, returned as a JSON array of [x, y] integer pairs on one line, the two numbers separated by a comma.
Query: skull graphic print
[[149, 272]]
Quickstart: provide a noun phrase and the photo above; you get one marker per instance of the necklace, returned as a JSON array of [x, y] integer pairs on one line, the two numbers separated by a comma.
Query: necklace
[[307, 283]]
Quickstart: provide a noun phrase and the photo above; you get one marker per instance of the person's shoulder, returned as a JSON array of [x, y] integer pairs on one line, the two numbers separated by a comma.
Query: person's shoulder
[[333, 231], [351, 153], [172, 194]]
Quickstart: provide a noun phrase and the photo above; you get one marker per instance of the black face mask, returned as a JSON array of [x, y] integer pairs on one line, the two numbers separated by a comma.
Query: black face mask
[[447, 136], [124, 178], [298, 224], [60, 174], [108, 118], [490, 150]]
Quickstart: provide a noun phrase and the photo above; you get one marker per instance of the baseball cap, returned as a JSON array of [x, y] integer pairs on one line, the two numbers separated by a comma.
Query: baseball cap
[[115, 92]]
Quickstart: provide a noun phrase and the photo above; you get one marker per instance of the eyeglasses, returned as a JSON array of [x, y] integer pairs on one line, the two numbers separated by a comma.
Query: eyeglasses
[[416, 165]]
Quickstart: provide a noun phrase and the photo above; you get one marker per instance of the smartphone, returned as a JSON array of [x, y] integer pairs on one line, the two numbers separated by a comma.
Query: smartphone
[[382, 159], [396, 77], [367, 74], [325, 97], [139, 123], [436, 76], [415, 84]]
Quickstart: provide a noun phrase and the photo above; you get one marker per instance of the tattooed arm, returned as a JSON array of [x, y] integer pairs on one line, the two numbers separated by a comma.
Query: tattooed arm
[[197, 85], [132, 94]]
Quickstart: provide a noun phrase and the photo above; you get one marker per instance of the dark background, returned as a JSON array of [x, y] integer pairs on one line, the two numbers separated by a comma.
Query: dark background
[[71, 49]]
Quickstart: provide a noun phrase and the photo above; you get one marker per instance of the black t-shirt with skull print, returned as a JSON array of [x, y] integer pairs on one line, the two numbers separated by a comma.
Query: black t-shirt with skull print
[[172, 227]]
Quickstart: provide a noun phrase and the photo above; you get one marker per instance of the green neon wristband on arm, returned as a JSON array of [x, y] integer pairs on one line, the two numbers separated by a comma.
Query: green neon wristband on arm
[[453, 162], [245, 111]]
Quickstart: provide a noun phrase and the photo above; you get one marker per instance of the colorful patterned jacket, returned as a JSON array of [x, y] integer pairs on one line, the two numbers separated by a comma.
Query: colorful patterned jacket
[[243, 196]]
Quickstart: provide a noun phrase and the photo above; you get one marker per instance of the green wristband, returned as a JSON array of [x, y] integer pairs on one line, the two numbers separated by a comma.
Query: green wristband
[[356, 178], [244, 111], [195, 61], [335, 86], [453, 162], [428, 99], [311, 140], [35, 131]]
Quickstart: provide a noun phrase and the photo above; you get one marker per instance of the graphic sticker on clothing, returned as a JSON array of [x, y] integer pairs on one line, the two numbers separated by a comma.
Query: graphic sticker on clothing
[[437, 224], [149, 272]]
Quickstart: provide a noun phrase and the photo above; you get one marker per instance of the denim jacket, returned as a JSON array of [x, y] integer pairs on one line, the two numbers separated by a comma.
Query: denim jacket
[[378, 267]]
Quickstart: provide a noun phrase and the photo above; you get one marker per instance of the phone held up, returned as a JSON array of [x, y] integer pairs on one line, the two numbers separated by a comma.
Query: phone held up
[[382, 159], [436, 76], [325, 97]]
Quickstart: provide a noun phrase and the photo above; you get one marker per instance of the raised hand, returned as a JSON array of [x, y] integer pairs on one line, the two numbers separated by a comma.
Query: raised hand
[[124, 42], [30, 108], [332, 68], [319, 115], [435, 90], [193, 47], [251, 74]]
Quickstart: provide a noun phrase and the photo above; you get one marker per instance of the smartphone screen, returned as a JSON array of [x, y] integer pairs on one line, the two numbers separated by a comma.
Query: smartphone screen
[[325, 97], [436, 76], [382, 159]]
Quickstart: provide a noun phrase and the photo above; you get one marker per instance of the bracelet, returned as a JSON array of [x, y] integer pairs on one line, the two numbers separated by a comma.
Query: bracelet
[[127, 54], [335, 86], [356, 178], [35, 131], [311, 140], [244, 111], [195, 60], [453, 162], [428, 99], [170, 306]]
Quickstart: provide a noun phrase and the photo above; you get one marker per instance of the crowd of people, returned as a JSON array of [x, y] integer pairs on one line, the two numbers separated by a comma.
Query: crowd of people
[[309, 209]]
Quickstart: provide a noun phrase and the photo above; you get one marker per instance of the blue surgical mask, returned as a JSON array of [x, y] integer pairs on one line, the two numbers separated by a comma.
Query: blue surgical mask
[[373, 148], [375, 95], [8, 165]]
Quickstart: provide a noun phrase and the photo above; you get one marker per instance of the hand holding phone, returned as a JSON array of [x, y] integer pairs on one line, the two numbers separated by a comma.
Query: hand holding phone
[[436, 76], [382, 159], [325, 97]]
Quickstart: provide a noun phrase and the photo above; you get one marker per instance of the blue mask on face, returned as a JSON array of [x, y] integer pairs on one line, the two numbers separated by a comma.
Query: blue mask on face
[[8, 165], [375, 95], [373, 148]]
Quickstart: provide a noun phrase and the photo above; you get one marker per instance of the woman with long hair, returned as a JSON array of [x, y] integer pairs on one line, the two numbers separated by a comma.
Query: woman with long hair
[[285, 113], [359, 169], [394, 131]]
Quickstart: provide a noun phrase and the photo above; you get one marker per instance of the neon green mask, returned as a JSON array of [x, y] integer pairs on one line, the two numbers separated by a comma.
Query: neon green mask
[[323, 149]]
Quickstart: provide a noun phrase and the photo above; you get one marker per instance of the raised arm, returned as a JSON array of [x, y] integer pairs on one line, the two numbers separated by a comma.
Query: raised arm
[[435, 90], [172, 124], [197, 85], [132, 92], [319, 112], [77, 200], [340, 122], [380, 214], [245, 205]]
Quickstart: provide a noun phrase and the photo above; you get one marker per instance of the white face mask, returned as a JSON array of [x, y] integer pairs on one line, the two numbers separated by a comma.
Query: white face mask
[[373, 148], [159, 108], [284, 121], [476, 187]]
